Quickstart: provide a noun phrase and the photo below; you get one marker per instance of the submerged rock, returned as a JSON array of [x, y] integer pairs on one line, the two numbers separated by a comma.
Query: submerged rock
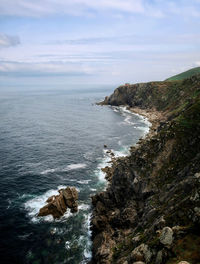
[[57, 204]]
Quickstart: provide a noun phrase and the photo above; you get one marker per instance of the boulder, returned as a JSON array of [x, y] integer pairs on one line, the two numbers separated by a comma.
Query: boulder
[[141, 253], [50, 209], [71, 196], [166, 236], [50, 199], [57, 204], [159, 257]]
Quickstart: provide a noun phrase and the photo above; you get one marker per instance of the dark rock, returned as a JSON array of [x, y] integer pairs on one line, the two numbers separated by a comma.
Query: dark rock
[[71, 196], [58, 204], [166, 236], [141, 253]]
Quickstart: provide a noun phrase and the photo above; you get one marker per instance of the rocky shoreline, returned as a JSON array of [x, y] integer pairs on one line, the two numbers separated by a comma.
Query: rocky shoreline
[[150, 211]]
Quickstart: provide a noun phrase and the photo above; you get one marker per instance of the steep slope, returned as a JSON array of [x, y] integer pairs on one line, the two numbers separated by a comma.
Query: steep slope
[[184, 75], [150, 211]]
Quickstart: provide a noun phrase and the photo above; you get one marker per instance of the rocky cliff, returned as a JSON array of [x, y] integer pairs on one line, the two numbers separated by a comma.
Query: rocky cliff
[[150, 211]]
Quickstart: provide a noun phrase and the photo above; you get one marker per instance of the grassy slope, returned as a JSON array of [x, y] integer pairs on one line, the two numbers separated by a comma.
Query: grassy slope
[[185, 74]]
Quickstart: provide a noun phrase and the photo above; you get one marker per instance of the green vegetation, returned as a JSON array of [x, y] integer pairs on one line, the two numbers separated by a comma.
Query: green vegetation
[[185, 74], [191, 118]]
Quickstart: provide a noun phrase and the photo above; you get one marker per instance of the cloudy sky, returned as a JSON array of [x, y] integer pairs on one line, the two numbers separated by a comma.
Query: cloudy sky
[[73, 42]]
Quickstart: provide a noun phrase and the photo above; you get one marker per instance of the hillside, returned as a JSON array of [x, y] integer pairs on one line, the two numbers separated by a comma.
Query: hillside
[[184, 75], [150, 211]]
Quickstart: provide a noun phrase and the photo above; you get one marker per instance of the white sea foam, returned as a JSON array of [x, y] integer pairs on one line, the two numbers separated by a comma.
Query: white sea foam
[[124, 151], [70, 167], [115, 109], [127, 119], [84, 207], [33, 206], [144, 119], [83, 240], [144, 129], [48, 171], [83, 181], [87, 251], [89, 155], [24, 237], [121, 153], [9, 203], [76, 166], [67, 244], [104, 162]]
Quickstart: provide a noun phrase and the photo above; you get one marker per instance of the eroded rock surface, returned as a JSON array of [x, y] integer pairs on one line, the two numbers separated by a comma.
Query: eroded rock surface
[[57, 204]]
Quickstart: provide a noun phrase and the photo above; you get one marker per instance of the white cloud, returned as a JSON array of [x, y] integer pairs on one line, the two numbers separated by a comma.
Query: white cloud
[[8, 41], [12, 68], [38, 8], [74, 7]]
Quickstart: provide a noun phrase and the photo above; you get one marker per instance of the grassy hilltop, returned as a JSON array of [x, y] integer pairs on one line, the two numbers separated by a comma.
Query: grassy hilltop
[[185, 74]]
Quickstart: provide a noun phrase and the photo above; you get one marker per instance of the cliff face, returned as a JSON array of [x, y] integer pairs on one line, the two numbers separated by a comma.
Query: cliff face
[[150, 211], [162, 96]]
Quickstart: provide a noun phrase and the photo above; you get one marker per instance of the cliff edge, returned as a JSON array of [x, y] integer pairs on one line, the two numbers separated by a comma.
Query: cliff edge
[[150, 211]]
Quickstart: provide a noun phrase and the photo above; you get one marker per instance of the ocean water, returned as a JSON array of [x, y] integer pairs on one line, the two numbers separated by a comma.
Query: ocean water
[[50, 140]]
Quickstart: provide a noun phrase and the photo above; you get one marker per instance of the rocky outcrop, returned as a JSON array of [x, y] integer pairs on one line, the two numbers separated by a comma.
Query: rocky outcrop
[[57, 204], [166, 236], [150, 211]]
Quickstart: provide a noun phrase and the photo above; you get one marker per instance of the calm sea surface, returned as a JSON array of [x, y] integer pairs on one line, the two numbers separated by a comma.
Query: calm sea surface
[[50, 140]]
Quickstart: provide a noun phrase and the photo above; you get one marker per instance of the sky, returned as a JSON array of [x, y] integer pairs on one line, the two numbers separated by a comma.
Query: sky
[[61, 43]]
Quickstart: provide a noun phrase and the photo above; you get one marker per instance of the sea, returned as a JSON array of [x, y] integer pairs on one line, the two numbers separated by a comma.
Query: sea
[[50, 140]]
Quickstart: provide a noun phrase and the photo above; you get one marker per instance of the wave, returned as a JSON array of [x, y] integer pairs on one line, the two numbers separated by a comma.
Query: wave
[[144, 119], [48, 171], [76, 166], [88, 244], [83, 181], [89, 155], [70, 167], [24, 237], [9, 203], [105, 161], [84, 207], [144, 129], [127, 119], [122, 152]]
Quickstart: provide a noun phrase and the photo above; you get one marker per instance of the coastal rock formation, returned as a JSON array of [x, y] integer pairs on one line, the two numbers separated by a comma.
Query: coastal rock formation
[[58, 204], [150, 211]]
